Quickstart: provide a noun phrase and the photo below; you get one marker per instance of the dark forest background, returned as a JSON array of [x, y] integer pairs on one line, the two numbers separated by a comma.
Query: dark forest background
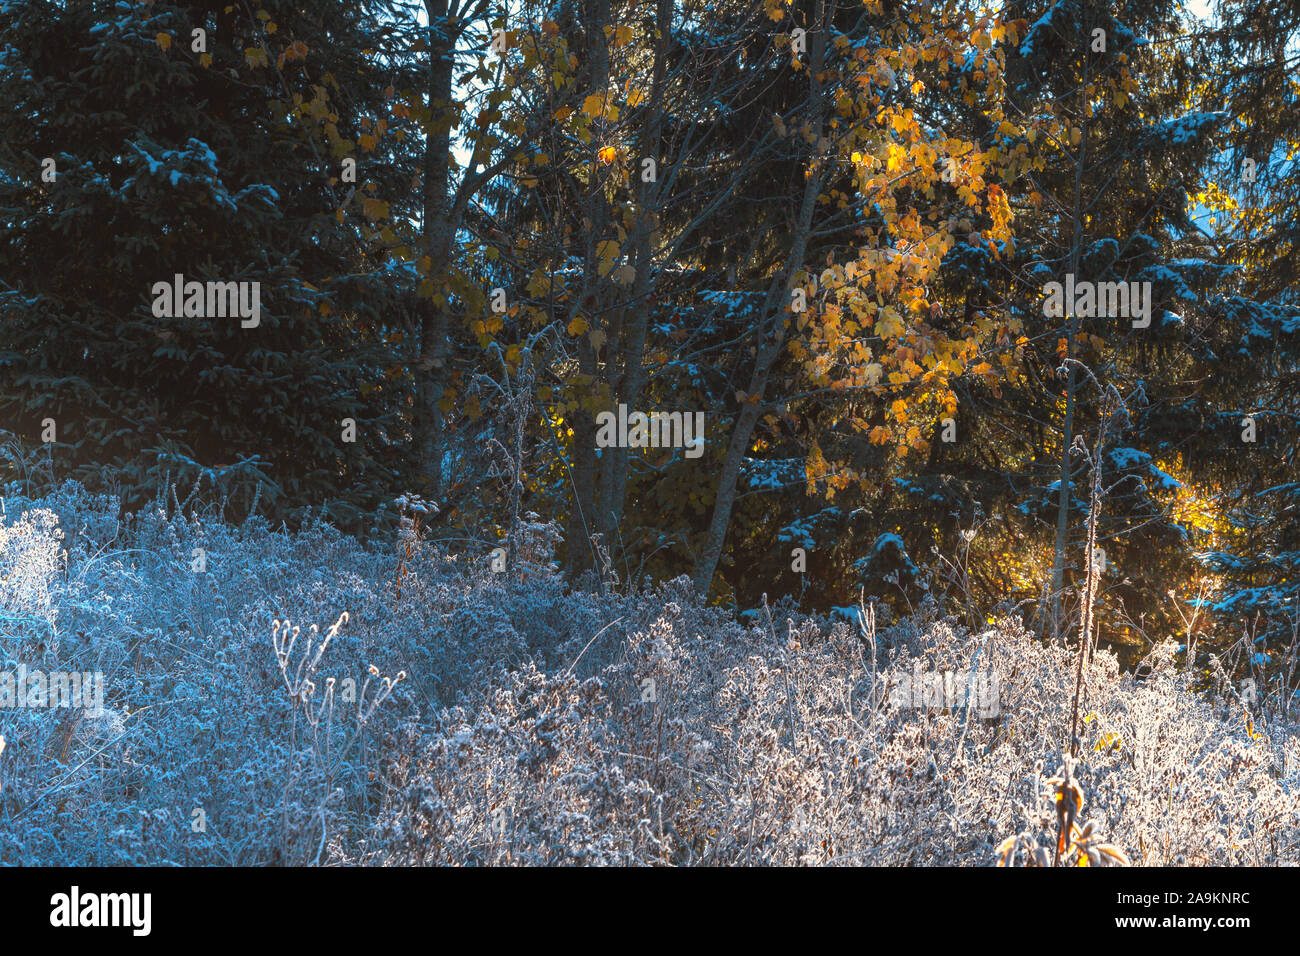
[[837, 251]]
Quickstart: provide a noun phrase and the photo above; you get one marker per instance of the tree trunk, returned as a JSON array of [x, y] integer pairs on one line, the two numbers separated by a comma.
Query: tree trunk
[[776, 311], [1067, 428], [431, 371]]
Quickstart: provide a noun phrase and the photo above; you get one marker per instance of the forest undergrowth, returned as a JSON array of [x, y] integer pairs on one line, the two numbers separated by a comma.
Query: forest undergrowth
[[300, 697]]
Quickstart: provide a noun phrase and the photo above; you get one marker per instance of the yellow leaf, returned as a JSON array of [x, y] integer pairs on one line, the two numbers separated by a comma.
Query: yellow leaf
[[164, 41], [205, 60], [577, 326], [593, 105], [607, 154], [606, 252], [271, 27], [635, 98], [374, 208]]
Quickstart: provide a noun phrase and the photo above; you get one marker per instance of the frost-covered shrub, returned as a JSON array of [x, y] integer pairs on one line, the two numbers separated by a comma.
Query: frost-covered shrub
[[787, 748], [29, 561], [538, 724]]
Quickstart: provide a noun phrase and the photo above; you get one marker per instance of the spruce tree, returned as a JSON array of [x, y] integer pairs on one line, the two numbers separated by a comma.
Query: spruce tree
[[143, 141]]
